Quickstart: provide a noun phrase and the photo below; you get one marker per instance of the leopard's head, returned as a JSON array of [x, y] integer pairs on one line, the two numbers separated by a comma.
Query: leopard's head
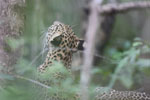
[[61, 35], [55, 33]]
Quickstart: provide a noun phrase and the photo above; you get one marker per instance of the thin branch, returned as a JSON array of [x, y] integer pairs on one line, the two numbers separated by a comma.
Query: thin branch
[[36, 57], [123, 7], [32, 81]]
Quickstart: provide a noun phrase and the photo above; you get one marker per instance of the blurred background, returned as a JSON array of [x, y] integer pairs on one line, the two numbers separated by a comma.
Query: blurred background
[[122, 55]]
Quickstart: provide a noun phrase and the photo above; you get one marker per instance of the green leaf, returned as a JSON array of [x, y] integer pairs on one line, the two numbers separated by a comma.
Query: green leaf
[[137, 39], [135, 44]]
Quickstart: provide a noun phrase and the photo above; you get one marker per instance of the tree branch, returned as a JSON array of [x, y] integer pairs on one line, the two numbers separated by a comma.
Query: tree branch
[[93, 24], [32, 81], [119, 8]]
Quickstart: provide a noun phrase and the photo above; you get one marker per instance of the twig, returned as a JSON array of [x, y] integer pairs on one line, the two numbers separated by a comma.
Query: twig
[[123, 7], [33, 81], [93, 24], [36, 57]]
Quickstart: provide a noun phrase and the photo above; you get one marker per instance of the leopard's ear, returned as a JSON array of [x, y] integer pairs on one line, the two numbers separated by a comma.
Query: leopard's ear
[[53, 30], [57, 22], [81, 44]]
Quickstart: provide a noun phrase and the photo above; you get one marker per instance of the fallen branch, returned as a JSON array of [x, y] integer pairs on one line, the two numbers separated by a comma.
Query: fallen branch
[[123, 7]]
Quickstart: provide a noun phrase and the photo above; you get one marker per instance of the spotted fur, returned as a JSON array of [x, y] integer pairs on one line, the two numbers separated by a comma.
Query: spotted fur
[[65, 43], [110, 94]]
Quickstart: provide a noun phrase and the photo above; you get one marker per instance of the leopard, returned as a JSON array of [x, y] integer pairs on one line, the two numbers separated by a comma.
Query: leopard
[[62, 43], [105, 93], [65, 43]]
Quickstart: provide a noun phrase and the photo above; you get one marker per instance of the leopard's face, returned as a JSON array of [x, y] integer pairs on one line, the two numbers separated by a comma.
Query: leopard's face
[[54, 31], [55, 34], [65, 43], [61, 36]]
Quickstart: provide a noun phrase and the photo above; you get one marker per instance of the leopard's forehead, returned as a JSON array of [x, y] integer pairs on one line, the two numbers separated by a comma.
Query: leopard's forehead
[[55, 30]]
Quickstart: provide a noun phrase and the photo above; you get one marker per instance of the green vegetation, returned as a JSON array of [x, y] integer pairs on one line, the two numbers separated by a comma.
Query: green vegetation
[[123, 62]]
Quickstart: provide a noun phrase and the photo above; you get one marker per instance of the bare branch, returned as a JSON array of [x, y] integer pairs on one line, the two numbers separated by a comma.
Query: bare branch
[[32, 81], [93, 24], [119, 8]]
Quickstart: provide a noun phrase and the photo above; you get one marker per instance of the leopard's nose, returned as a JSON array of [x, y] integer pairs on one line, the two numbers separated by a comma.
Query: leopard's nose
[[81, 45]]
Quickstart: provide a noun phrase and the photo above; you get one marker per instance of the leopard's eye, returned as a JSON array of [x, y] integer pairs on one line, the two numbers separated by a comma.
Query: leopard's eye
[[56, 41], [58, 30]]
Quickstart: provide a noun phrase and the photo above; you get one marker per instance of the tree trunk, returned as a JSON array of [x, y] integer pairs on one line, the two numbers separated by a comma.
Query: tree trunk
[[11, 26]]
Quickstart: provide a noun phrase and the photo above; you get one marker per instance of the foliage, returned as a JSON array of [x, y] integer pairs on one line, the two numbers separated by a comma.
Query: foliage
[[131, 64], [124, 60], [26, 83]]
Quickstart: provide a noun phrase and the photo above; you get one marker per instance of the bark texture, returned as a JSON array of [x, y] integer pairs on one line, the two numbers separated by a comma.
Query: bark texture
[[11, 26]]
